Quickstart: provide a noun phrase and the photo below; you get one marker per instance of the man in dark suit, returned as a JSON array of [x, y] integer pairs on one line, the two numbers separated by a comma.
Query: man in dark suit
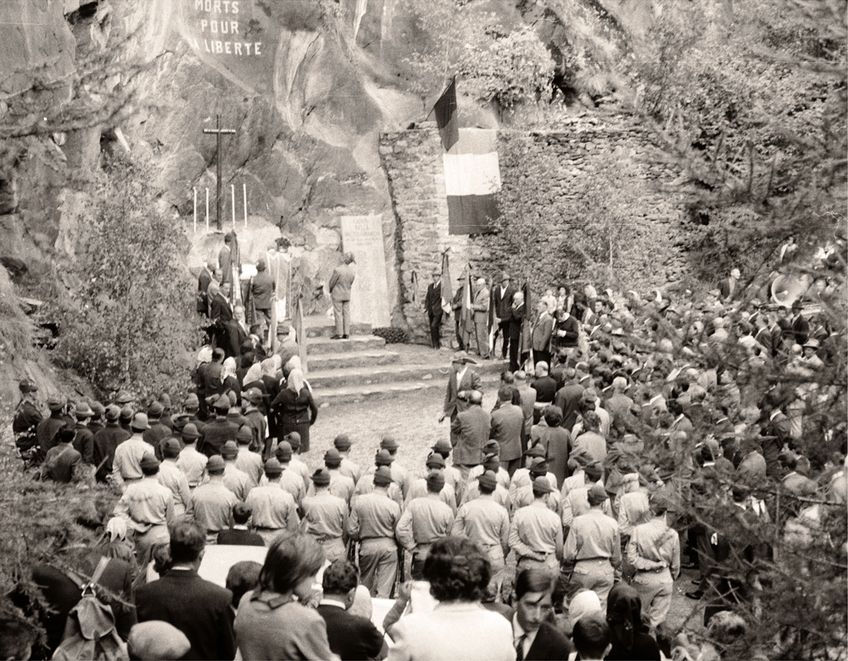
[[239, 535], [433, 307], [350, 636], [534, 637], [262, 290], [800, 325], [198, 608], [469, 432], [502, 298], [204, 279], [730, 285]]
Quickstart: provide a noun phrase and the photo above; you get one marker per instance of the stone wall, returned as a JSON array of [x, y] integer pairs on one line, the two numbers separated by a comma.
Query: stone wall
[[564, 158]]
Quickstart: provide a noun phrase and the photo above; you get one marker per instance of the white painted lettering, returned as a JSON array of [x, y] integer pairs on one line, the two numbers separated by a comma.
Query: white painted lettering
[[198, 5], [238, 47], [235, 6], [218, 47], [203, 24], [257, 48], [234, 27], [247, 47], [216, 6], [227, 45]]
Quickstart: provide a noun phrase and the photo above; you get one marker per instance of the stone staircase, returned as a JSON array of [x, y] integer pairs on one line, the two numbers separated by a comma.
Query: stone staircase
[[364, 367]]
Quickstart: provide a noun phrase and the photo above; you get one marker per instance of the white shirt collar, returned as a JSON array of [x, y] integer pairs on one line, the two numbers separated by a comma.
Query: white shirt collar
[[332, 602], [518, 631]]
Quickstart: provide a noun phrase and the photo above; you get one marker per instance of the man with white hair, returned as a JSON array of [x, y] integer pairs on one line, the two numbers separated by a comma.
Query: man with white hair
[[480, 306], [541, 336], [618, 404]]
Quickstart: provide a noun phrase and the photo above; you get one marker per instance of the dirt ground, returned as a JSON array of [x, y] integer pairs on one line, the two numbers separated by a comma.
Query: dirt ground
[[413, 420]]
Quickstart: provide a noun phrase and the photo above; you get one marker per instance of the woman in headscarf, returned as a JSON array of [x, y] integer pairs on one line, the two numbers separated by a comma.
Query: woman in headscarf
[[630, 638], [295, 408], [229, 379], [583, 603]]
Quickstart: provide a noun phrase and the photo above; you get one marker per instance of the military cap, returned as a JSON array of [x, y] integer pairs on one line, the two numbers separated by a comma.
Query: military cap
[[539, 467], [342, 442], [283, 451], [293, 438], [139, 422], [596, 495], [435, 460], [541, 485], [113, 412], [190, 431], [253, 395], [383, 458], [83, 410], [215, 465], [97, 410], [55, 404], [165, 400], [332, 458], [273, 468], [171, 448], [435, 481], [222, 404], [67, 434], [191, 402], [234, 412], [321, 478], [488, 480], [149, 461], [127, 413], [383, 476], [389, 443], [491, 449], [535, 451], [155, 410], [244, 434], [229, 450], [123, 397], [442, 446]]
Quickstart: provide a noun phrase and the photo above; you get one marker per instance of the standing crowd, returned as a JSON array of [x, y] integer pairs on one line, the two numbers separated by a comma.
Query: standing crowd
[[551, 527]]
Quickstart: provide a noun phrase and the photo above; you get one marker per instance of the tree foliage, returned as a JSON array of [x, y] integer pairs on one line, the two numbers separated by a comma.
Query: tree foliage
[[504, 67], [132, 322]]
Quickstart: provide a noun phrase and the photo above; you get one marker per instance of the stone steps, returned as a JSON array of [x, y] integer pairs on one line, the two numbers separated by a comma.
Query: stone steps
[[358, 393], [318, 330], [320, 346], [332, 362]]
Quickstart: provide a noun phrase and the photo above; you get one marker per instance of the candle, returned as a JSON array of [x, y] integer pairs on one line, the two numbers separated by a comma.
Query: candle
[[194, 212], [207, 209], [233, 203], [244, 199]]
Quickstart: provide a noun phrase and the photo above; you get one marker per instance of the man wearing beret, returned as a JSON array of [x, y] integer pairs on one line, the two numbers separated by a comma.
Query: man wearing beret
[[148, 508], [126, 466], [340, 485], [48, 429], [191, 407], [425, 521], [418, 488], [246, 460], [593, 545], [326, 516], [536, 532], [274, 509], [157, 431], [373, 521], [382, 459], [84, 438], [486, 523], [470, 429], [171, 477], [348, 467], [399, 473], [191, 462], [213, 502]]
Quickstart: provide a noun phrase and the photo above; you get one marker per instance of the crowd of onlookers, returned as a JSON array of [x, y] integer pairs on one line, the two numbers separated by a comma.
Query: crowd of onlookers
[[552, 526]]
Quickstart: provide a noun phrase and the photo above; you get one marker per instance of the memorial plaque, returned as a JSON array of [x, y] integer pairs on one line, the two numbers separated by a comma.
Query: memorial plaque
[[363, 236]]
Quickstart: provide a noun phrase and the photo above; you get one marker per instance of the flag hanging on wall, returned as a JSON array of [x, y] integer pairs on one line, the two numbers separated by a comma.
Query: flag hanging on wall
[[472, 171], [447, 284]]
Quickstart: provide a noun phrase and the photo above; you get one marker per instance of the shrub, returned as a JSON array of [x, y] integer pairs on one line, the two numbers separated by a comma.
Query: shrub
[[391, 335]]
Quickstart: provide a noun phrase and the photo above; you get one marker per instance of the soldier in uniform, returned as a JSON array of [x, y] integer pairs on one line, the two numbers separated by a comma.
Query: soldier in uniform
[[453, 476], [248, 461], [425, 520], [47, 429], [235, 480], [418, 488], [594, 546], [26, 420], [126, 467], [536, 532], [191, 462], [372, 522], [297, 464], [213, 502], [274, 509], [148, 508], [366, 482], [399, 473], [501, 493], [290, 480], [486, 523], [255, 417], [347, 467], [171, 477], [219, 430], [61, 462], [341, 486], [524, 496], [326, 516], [191, 406]]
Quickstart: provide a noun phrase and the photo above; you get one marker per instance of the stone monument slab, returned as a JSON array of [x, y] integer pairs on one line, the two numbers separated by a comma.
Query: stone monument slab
[[363, 236]]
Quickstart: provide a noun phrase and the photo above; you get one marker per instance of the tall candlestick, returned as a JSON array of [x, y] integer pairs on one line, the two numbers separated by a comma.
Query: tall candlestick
[[233, 203], [207, 209], [194, 212], [244, 200]]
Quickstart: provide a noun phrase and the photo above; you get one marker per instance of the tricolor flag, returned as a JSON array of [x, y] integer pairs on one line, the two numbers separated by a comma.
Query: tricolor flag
[[447, 291], [467, 313], [472, 171]]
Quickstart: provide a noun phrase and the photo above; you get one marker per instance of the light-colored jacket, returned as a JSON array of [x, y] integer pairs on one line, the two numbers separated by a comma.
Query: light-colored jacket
[[444, 634], [341, 282]]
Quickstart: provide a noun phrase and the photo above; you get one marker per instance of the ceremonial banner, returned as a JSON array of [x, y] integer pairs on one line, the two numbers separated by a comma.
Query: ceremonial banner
[[363, 236], [446, 118], [472, 178]]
